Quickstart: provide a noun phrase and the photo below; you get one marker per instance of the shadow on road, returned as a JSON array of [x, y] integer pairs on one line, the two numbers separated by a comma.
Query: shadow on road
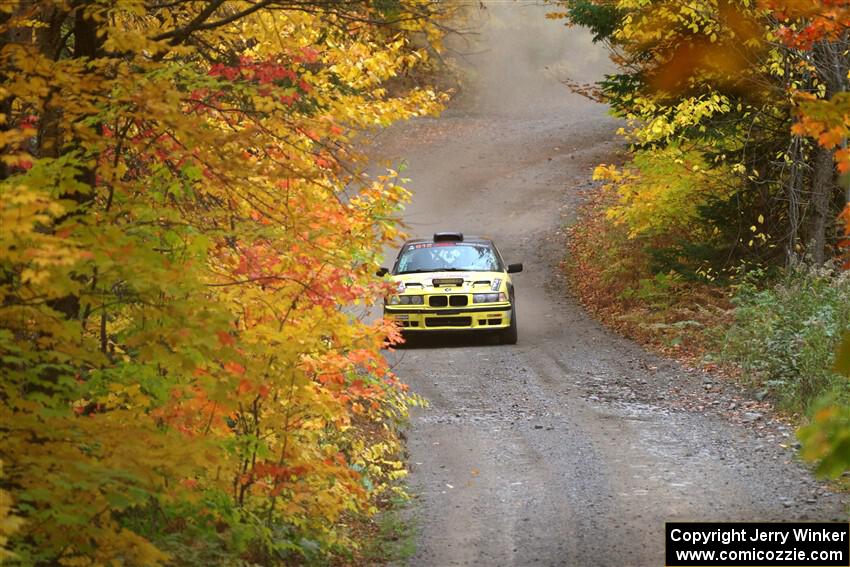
[[449, 340]]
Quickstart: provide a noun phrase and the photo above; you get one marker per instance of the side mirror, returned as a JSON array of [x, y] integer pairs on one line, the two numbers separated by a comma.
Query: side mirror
[[514, 268], [382, 272]]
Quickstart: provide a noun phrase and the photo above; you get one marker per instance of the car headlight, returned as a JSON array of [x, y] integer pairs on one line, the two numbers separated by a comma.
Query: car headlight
[[395, 300], [416, 300], [488, 297]]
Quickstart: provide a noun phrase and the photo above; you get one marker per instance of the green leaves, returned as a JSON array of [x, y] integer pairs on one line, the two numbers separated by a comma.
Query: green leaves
[[826, 440], [842, 358]]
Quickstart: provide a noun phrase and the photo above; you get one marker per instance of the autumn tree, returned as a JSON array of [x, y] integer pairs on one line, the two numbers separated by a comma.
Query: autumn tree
[[184, 213], [715, 86], [820, 32], [737, 114]]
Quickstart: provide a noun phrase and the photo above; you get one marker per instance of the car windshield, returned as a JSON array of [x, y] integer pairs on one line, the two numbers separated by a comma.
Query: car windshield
[[447, 256]]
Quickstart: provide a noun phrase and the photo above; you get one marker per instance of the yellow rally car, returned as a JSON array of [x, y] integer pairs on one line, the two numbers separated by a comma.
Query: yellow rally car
[[452, 283]]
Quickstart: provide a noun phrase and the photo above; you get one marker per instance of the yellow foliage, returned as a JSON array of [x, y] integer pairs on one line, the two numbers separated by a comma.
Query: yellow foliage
[[661, 192], [9, 522], [184, 216]]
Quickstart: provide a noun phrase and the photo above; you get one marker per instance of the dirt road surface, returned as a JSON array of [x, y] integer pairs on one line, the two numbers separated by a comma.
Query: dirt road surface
[[574, 446]]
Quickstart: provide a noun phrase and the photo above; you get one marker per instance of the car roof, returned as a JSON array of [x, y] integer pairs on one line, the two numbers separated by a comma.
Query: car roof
[[466, 238]]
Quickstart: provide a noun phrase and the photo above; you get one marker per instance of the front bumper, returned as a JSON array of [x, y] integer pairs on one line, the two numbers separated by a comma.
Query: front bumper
[[424, 319]]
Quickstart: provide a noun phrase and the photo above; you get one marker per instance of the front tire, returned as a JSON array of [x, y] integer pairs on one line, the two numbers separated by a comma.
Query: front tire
[[510, 335], [409, 340]]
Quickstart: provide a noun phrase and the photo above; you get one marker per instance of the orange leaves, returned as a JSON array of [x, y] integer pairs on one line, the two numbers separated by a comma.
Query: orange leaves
[[247, 387], [718, 49], [826, 135], [331, 378], [679, 47], [392, 333], [828, 122], [842, 160], [810, 21], [225, 338], [258, 262], [192, 413], [844, 244], [189, 212], [831, 137], [356, 377], [309, 54], [845, 217], [234, 368], [278, 472], [324, 162]]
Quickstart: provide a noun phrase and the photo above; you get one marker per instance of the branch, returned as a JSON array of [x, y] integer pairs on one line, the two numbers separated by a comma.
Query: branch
[[199, 23]]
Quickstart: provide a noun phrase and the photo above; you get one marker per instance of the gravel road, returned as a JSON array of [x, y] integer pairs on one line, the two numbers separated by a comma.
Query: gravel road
[[574, 446]]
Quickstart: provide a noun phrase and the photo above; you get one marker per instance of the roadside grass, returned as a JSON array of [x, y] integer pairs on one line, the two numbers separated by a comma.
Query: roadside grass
[[395, 540], [778, 335], [610, 276], [785, 335], [387, 538]]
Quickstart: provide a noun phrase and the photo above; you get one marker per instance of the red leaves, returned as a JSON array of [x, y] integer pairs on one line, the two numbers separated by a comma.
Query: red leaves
[[844, 244], [331, 378], [309, 54], [192, 412], [221, 70], [261, 72], [278, 472], [810, 21], [234, 368], [222, 257], [226, 339], [827, 121], [324, 162], [29, 122], [258, 263], [289, 99], [268, 73]]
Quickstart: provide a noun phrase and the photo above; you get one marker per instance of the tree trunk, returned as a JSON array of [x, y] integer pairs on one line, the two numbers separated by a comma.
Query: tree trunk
[[832, 66], [793, 186], [823, 189], [87, 45]]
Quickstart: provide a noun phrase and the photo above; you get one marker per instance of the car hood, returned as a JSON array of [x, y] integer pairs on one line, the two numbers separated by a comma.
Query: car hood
[[448, 282]]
